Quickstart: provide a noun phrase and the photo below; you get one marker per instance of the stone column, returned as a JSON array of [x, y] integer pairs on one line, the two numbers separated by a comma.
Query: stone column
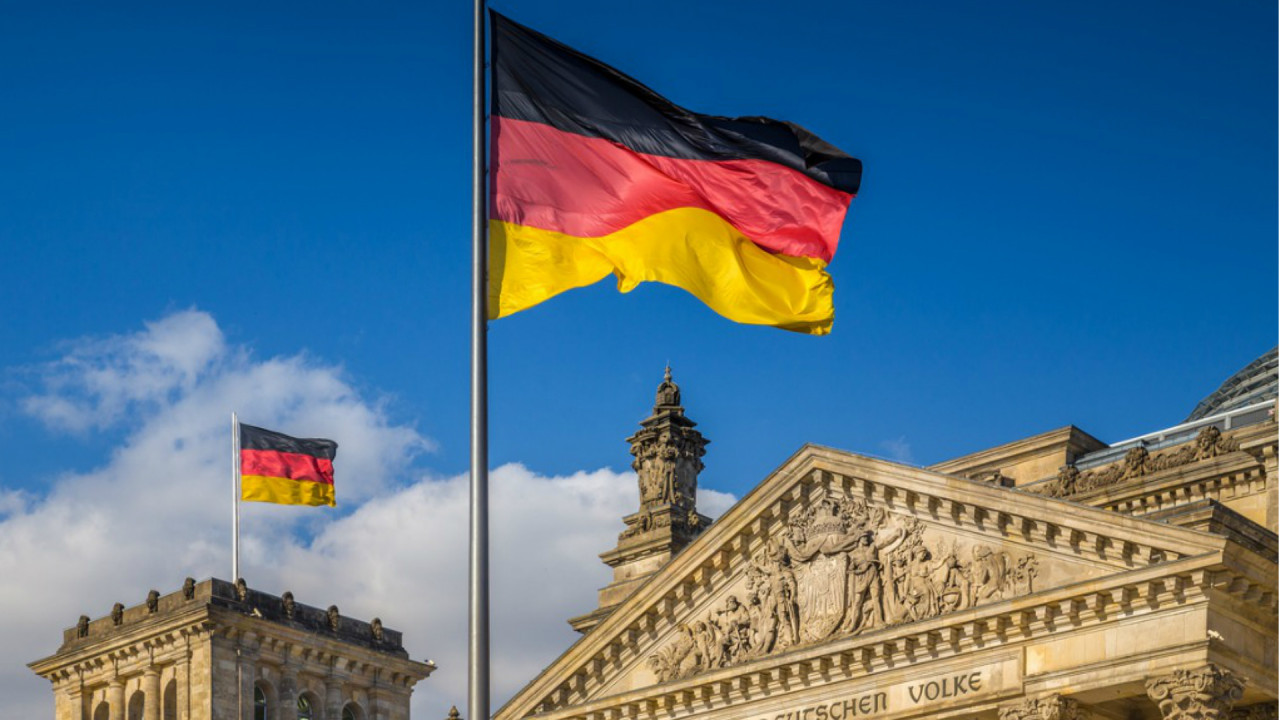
[[287, 694], [151, 693], [69, 701], [1204, 694], [246, 670], [375, 698], [182, 683], [1053, 707], [332, 698], [115, 699]]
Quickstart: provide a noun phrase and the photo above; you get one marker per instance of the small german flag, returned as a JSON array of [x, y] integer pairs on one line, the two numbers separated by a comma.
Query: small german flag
[[277, 468], [593, 173]]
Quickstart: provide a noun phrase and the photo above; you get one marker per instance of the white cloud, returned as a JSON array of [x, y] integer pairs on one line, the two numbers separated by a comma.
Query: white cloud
[[898, 450], [98, 380], [158, 510]]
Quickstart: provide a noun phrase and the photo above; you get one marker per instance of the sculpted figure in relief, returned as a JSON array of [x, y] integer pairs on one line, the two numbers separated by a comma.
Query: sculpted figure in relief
[[775, 616], [1138, 462], [840, 570]]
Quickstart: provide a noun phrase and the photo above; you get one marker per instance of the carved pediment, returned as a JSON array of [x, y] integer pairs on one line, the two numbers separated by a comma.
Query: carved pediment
[[832, 548], [844, 567]]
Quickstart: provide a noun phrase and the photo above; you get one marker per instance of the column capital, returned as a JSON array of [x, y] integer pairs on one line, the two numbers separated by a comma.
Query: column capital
[[1206, 693], [1052, 707]]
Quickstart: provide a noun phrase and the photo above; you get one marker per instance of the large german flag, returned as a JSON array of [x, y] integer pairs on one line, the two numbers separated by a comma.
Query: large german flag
[[277, 468], [593, 173]]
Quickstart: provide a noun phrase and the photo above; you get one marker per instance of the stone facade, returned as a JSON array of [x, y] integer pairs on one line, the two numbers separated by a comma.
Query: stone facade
[[210, 650], [1056, 577]]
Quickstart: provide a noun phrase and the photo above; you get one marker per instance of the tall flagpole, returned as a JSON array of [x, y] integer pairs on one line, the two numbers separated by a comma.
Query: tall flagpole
[[235, 498], [478, 625]]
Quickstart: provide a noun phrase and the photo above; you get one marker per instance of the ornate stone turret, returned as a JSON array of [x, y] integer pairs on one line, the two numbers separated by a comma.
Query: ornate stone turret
[[668, 457]]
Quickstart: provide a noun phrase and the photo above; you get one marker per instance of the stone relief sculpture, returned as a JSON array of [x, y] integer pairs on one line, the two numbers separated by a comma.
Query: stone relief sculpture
[[117, 613], [1137, 462], [332, 617], [242, 590], [375, 629], [664, 480], [290, 607], [840, 570], [189, 589], [82, 626], [153, 601]]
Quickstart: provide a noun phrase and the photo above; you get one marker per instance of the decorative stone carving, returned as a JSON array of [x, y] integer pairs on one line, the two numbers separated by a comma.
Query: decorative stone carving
[[375, 628], [1054, 707], [668, 457], [153, 601], [1204, 694], [332, 617], [1262, 711], [242, 590], [290, 607], [82, 626], [189, 589], [1137, 462], [1209, 443], [117, 613], [841, 569]]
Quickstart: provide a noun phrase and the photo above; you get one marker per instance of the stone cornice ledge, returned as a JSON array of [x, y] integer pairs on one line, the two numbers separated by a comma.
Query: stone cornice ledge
[[190, 622], [1012, 452]]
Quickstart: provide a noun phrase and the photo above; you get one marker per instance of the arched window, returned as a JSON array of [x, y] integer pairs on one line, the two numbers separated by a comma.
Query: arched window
[[136, 701], [102, 712], [352, 711], [170, 706], [305, 711], [259, 703]]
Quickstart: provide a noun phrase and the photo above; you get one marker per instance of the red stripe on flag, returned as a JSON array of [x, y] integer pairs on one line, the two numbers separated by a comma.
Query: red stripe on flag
[[294, 466], [589, 187]]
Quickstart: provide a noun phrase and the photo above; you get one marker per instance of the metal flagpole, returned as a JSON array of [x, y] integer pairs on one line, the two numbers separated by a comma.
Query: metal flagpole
[[235, 498], [478, 625]]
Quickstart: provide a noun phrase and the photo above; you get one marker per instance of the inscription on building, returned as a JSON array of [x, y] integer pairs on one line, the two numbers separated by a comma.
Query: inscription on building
[[953, 688]]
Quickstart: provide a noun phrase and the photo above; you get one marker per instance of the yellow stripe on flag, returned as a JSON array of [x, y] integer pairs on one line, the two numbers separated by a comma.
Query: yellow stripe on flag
[[284, 491], [689, 248]]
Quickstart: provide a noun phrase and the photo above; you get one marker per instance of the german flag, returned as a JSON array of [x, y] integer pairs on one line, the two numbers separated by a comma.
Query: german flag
[[593, 173], [277, 468]]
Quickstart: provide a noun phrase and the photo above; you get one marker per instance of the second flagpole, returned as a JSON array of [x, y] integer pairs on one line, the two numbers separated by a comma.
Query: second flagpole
[[478, 611], [235, 498]]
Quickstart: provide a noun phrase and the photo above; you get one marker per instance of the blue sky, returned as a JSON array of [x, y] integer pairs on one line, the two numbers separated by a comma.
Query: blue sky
[[1068, 216]]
